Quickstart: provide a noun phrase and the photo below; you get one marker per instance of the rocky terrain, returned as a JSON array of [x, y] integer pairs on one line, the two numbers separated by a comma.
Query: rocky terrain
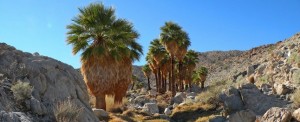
[[39, 88], [261, 84]]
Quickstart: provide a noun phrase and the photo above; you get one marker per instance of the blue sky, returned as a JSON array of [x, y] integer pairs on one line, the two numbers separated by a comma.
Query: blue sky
[[40, 25]]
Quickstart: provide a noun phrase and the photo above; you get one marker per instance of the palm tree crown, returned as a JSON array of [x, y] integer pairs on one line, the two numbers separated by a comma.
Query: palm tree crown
[[97, 32]]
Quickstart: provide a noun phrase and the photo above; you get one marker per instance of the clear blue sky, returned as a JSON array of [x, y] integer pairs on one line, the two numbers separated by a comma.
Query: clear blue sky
[[40, 25]]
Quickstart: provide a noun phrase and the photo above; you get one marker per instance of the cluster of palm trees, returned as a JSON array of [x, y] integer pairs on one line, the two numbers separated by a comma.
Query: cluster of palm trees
[[108, 47], [170, 60]]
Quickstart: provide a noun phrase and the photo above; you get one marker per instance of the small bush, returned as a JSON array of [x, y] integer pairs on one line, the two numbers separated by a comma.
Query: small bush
[[21, 91], [67, 111], [296, 98]]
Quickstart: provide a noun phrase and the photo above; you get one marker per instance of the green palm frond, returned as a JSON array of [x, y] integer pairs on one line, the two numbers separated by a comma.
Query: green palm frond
[[96, 31]]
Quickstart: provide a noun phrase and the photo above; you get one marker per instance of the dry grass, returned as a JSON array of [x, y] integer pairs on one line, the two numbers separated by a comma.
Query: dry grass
[[205, 118], [111, 106], [67, 111], [296, 98], [21, 91]]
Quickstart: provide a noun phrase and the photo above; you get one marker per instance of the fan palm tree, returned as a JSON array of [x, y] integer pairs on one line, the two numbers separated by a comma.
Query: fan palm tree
[[152, 64], [158, 51], [171, 36], [189, 62], [180, 54], [202, 74], [108, 47], [147, 72]]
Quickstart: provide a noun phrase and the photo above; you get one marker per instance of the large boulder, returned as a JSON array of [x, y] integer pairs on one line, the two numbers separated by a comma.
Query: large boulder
[[276, 114], [296, 114], [151, 108], [232, 100], [52, 82], [100, 113], [178, 98], [243, 116], [258, 102]]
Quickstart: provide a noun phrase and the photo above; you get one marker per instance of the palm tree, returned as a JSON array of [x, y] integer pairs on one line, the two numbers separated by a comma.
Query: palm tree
[[180, 54], [189, 62], [202, 74], [171, 36], [147, 72], [158, 51], [108, 47], [152, 64]]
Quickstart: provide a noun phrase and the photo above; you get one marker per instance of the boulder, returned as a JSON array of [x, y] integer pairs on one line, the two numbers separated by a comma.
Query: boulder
[[100, 113], [281, 89], [151, 108], [141, 100], [52, 82], [232, 100], [250, 70], [167, 111], [243, 116], [276, 114], [258, 102], [178, 98], [296, 114]]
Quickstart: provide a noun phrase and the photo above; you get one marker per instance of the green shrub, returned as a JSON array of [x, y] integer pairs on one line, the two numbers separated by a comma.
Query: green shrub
[[67, 111], [21, 91]]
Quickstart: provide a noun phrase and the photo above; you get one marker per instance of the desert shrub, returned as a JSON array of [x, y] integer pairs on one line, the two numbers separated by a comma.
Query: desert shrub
[[294, 58], [296, 98], [296, 77], [21, 91], [67, 111]]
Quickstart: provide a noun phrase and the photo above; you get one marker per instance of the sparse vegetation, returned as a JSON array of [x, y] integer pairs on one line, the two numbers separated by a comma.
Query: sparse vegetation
[[21, 91], [296, 98], [67, 111], [294, 59]]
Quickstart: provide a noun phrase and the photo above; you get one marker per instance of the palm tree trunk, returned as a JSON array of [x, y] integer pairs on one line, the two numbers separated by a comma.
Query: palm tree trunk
[[132, 85], [170, 83], [180, 83], [149, 87], [173, 78], [156, 82], [158, 86], [100, 102]]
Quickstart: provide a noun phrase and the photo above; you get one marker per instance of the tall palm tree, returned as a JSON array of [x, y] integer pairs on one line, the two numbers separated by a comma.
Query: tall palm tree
[[180, 54], [108, 47], [202, 74], [189, 62], [147, 72], [171, 36], [152, 64], [158, 51]]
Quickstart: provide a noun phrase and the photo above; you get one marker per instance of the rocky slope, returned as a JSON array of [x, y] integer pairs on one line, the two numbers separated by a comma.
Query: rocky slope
[[275, 71], [52, 83]]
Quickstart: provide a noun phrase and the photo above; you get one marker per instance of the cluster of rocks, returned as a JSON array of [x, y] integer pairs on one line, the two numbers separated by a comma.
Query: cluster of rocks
[[249, 104], [52, 82]]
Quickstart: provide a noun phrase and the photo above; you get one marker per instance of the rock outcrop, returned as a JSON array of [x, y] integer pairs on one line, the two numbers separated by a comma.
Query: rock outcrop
[[52, 81]]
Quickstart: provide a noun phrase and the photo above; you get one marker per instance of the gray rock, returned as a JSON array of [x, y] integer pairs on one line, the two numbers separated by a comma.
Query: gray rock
[[178, 98], [296, 114], [250, 70], [191, 94], [258, 102], [232, 100], [151, 108], [276, 114], [100, 113], [141, 100], [37, 107], [167, 111], [52, 81], [243, 116], [261, 68]]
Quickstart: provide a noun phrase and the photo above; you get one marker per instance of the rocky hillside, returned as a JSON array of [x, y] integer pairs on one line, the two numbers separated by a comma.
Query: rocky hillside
[[258, 85], [39, 88]]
